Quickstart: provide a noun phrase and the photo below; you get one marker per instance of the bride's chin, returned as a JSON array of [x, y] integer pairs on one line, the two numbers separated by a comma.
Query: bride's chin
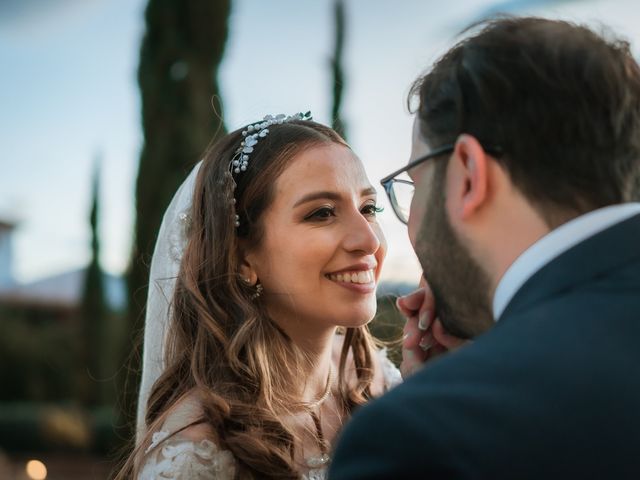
[[356, 319]]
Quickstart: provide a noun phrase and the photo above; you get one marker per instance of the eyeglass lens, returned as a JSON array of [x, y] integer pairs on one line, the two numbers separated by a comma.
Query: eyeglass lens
[[402, 194]]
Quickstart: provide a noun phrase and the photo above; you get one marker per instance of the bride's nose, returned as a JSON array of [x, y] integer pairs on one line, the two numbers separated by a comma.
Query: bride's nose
[[360, 236]]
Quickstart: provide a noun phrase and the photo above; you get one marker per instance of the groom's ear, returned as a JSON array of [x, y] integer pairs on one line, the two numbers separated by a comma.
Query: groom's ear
[[467, 182]]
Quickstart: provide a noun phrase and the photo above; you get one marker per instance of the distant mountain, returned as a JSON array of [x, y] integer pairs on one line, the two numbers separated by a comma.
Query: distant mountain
[[65, 289], [395, 288]]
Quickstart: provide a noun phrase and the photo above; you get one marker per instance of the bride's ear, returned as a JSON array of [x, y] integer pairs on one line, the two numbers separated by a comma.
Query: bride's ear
[[246, 267]]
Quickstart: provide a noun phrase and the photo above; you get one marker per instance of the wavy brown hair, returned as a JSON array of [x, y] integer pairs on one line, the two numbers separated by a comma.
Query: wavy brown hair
[[221, 343]]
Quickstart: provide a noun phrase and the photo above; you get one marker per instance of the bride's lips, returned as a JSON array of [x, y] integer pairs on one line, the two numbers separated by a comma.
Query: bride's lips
[[359, 278]]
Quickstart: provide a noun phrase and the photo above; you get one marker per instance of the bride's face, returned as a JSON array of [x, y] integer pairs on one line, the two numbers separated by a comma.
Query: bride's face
[[322, 251]]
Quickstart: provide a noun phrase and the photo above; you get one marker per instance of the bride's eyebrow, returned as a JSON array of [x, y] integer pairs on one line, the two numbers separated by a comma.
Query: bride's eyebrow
[[328, 195], [325, 195], [368, 191]]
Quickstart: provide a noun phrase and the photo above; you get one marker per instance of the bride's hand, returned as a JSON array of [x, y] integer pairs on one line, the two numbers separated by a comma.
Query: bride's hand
[[424, 335]]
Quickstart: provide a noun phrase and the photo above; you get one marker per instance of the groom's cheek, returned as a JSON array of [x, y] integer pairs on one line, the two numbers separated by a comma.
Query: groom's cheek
[[413, 228], [417, 214]]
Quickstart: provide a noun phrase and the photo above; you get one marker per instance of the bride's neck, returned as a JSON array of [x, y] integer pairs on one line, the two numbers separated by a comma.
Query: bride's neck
[[316, 350]]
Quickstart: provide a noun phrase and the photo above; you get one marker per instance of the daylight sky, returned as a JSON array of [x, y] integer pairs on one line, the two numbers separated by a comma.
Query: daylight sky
[[68, 95]]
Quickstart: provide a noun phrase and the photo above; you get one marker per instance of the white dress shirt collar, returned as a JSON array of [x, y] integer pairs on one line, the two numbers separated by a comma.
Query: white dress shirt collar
[[552, 245]]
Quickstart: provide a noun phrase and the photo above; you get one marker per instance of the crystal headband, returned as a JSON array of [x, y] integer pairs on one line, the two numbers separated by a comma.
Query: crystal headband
[[252, 134], [256, 131]]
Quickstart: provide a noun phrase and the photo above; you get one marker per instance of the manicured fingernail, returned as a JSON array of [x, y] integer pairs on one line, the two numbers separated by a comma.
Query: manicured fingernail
[[407, 335], [423, 322], [425, 344], [409, 355]]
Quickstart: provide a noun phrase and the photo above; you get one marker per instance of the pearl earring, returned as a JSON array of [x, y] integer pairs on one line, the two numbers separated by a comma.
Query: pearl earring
[[259, 290]]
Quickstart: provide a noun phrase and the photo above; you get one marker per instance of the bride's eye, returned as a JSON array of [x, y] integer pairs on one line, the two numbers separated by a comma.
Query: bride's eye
[[323, 213], [371, 210]]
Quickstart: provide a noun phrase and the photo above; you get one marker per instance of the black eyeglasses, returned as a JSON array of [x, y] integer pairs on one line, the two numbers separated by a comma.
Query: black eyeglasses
[[400, 191]]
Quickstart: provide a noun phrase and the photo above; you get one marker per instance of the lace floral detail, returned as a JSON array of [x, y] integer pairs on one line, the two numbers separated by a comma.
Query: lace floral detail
[[178, 235], [390, 372], [316, 474], [186, 460], [156, 438]]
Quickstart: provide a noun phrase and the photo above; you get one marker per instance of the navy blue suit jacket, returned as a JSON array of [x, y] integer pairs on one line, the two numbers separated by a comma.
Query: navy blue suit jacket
[[552, 391]]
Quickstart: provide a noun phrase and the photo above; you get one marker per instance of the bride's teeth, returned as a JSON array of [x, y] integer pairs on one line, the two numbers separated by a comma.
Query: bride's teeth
[[365, 276]]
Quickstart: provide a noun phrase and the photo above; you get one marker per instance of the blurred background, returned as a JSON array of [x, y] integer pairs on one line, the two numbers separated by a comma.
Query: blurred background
[[105, 105]]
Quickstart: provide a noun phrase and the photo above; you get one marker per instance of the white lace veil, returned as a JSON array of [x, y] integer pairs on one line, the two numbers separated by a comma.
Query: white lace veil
[[165, 266]]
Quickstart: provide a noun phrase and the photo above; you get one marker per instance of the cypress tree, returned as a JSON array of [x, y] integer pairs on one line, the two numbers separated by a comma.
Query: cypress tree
[[181, 113], [93, 311], [336, 67]]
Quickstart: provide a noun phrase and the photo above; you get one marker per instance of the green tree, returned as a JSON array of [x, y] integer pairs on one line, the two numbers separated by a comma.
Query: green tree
[[93, 311], [181, 113], [336, 67]]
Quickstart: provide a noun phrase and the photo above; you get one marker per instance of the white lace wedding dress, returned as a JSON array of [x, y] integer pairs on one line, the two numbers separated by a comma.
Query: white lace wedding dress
[[180, 458]]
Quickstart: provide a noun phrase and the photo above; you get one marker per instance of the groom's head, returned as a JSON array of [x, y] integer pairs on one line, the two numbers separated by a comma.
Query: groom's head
[[543, 121]]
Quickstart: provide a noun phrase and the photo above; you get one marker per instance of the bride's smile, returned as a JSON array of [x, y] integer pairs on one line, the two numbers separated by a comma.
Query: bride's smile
[[359, 278]]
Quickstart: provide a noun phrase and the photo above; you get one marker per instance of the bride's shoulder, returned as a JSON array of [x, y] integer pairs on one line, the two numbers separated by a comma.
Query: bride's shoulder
[[186, 411], [181, 449]]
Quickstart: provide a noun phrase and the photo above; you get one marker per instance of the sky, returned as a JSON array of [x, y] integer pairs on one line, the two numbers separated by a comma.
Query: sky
[[69, 96]]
